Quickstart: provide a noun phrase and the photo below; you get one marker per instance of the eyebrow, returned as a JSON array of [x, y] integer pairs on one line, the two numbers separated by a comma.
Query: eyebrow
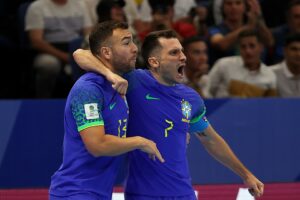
[[126, 38]]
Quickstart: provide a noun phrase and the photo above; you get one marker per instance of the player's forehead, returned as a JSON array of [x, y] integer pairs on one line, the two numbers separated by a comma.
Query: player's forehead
[[168, 44], [120, 34]]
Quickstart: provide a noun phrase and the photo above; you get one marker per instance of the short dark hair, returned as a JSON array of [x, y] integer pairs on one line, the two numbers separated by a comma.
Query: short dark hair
[[151, 42], [250, 33], [295, 37], [104, 7], [187, 41], [291, 5], [160, 6], [103, 31]]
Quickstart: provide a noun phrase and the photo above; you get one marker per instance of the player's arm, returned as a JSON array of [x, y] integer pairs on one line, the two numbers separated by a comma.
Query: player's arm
[[88, 62], [220, 150], [100, 144]]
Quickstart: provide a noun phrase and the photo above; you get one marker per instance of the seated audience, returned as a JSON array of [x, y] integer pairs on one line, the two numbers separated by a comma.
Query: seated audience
[[51, 25], [281, 32], [288, 71], [238, 15], [245, 75], [196, 68], [162, 18]]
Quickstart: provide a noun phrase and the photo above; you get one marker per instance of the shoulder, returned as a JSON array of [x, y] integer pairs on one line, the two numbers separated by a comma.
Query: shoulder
[[277, 67], [37, 6], [90, 86], [189, 93], [267, 69], [138, 73], [77, 3], [229, 61], [90, 79]]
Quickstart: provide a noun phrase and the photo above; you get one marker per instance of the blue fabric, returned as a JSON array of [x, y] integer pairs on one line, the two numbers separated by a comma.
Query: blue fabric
[[162, 114], [80, 171]]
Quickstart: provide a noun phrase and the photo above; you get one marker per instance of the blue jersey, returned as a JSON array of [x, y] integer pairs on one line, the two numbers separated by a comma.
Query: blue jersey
[[91, 102], [164, 114]]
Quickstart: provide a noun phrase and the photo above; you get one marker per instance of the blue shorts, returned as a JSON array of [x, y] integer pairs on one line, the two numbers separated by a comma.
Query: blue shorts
[[81, 196], [142, 197]]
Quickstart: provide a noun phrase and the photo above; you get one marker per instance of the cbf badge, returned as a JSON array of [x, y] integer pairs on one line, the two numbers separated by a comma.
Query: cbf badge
[[186, 109]]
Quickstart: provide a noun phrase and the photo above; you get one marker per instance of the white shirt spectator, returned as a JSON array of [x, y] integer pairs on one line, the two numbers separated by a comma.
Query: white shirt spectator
[[182, 8], [60, 23], [288, 85], [229, 69]]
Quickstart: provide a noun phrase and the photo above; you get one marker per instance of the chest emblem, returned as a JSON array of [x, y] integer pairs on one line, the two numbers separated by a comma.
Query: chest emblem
[[186, 110]]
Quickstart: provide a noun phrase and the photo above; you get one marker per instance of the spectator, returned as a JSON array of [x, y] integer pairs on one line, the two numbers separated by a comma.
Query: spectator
[[245, 75], [288, 71], [281, 32], [91, 6], [162, 18], [196, 67], [51, 25], [138, 14], [238, 16], [111, 10], [182, 8]]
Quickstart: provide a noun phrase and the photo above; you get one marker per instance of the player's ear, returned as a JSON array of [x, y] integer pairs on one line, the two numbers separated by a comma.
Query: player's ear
[[153, 62], [106, 52]]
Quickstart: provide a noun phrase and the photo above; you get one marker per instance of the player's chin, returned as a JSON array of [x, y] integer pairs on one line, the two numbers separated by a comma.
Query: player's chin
[[132, 64], [179, 79]]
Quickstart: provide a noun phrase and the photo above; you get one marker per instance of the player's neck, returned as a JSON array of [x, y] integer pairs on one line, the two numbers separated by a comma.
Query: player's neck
[[159, 78], [110, 66]]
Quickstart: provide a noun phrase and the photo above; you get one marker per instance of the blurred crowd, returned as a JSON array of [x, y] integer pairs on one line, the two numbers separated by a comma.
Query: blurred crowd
[[234, 48]]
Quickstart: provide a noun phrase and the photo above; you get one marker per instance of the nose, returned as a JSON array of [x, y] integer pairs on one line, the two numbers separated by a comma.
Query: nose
[[134, 48], [182, 57]]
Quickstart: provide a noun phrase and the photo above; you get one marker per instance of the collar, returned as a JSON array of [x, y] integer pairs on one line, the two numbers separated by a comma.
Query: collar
[[286, 70]]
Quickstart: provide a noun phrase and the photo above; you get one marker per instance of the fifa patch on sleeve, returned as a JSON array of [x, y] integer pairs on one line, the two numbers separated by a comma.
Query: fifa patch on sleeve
[[91, 111]]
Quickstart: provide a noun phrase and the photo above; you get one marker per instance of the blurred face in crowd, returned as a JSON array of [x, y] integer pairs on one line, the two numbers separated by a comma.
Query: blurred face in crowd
[[196, 54], [117, 13], [234, 9], [251, 50], [169, 62], [124, 51], [294, 19], [292, 55]]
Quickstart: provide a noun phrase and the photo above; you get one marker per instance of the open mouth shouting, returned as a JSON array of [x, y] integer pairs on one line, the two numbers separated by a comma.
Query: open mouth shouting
[[180, 71]]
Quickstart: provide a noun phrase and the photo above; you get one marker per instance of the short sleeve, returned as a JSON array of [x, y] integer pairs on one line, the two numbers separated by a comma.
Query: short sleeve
[[214, 30], [86, 104], [198, 122], [34, 18]]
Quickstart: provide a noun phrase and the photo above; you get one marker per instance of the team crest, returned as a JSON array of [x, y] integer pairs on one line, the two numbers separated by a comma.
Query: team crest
[[186, 109]]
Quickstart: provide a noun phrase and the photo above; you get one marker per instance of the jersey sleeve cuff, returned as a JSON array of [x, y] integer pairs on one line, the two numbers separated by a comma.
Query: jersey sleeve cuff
[[199, 124], [91, 124]]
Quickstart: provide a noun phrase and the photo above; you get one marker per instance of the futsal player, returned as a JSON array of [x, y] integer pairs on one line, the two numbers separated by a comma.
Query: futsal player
[[164, 110], [95, 123]]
